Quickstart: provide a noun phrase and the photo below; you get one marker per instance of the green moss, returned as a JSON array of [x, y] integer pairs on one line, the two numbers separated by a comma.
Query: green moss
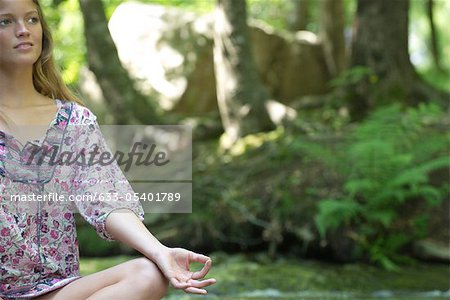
[[245, 277]]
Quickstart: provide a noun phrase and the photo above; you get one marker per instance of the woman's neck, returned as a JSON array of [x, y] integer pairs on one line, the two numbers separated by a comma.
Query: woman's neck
[[17, 89]]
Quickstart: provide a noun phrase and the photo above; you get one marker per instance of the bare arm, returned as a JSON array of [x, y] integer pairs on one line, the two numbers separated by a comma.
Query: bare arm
[[126, 227], [174, 263]]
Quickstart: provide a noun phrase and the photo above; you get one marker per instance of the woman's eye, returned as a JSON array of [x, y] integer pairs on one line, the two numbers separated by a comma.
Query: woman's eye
[[5, 22], [33, 20]]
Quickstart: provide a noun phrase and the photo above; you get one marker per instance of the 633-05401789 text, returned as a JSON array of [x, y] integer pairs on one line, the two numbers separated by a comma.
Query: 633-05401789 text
[[107, 197]]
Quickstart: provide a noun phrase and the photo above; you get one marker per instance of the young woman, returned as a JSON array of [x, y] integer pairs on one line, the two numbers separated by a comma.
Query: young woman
[[38, 244]]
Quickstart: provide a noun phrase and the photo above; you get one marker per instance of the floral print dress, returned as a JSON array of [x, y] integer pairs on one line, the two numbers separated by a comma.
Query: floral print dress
[[38, 241]]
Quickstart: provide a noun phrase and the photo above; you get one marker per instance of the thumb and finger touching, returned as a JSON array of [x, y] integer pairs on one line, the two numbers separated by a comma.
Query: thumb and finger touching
[[192, 284]]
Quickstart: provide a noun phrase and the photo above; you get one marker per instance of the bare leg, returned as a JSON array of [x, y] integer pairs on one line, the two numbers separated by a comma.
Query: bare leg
[[134, 280]]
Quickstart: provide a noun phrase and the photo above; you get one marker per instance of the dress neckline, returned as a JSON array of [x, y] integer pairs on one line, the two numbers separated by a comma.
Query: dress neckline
[[14, 157], [13, 142]]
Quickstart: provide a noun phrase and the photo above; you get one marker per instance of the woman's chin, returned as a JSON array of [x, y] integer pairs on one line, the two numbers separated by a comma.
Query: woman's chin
[[24, 61]]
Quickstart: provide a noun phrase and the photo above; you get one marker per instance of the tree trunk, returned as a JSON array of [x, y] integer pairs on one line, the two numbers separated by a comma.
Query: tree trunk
[[126, 104], [300, 16], [240, 93], [332, 24], [380, 42], [434, 43]]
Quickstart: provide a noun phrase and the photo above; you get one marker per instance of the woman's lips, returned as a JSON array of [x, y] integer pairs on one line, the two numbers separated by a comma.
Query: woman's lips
[[23, 46]]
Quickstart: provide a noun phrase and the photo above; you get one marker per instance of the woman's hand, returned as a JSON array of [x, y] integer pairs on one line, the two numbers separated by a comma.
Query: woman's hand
[[174, 264]]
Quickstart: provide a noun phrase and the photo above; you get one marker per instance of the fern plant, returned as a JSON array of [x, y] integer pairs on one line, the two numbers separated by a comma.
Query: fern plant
[[385, 163]]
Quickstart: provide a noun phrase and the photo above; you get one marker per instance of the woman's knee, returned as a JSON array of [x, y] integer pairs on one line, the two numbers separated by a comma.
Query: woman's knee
[[145, 276]]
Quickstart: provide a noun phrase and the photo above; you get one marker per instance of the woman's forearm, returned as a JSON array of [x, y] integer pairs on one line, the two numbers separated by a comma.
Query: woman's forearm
[[126, 227]]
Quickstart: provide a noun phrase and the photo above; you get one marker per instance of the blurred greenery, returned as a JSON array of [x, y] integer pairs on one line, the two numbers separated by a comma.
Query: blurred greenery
[[264, 193], [70, 49], [66, 21], [272, 190], [385, 164], [91, 244]]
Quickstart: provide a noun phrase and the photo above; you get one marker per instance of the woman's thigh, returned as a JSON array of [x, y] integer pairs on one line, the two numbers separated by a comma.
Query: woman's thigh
[[86, 286]]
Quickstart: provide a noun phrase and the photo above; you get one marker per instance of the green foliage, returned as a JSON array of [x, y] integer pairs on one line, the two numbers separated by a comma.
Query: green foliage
[[385, 164], [66, 23], [372, 178], [353, 76], [336, 213], [92, 245], [273, 12]]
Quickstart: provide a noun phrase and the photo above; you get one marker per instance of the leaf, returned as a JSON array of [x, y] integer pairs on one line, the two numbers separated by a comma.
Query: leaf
[[356, 186], [333, 213], [432, 195], [385, 217]]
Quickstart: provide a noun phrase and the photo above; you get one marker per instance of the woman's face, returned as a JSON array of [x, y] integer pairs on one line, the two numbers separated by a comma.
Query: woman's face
[[20, 33]]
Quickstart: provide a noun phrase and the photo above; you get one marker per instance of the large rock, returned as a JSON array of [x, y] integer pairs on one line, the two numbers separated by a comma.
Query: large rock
[[169, 52], [432, 250]]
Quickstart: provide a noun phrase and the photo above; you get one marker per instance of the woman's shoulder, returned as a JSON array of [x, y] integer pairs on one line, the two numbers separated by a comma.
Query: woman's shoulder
[[79, 114]]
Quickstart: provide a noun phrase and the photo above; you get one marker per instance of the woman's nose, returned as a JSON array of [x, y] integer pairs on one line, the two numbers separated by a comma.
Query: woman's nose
[[22, 30]]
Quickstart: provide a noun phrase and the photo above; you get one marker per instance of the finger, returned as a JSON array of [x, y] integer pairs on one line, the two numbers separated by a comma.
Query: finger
[[178, 284], [203, 283], [194, 290], [203, 271], [199, 257]]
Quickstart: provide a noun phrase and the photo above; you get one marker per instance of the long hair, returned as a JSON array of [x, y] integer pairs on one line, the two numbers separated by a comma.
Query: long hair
[[47, 78]]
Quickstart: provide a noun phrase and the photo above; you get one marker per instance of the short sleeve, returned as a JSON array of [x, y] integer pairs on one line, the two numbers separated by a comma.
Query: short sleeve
[[99, 188]]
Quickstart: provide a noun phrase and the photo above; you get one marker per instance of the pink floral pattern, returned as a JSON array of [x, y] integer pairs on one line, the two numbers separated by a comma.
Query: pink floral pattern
[[38, 242]]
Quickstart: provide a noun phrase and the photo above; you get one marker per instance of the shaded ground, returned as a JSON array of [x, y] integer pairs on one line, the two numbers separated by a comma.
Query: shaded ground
[[254, 277]]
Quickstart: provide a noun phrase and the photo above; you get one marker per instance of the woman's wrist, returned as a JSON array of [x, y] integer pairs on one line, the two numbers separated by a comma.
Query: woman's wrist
[[156, 252], [127, 228]]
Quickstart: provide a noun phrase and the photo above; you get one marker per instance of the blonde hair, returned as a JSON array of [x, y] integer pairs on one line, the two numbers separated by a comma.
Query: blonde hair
[[47, 78]]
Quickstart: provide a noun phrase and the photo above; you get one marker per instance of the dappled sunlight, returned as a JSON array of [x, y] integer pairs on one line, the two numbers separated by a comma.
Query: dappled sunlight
[[279, 112], [137, 30]]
